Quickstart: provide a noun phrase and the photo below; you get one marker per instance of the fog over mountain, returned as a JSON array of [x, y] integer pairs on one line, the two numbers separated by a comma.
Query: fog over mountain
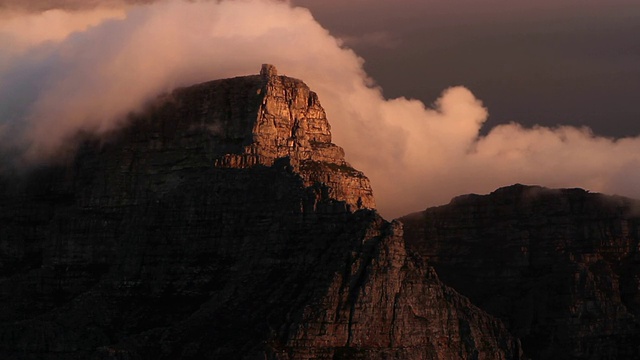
[[84, 68]]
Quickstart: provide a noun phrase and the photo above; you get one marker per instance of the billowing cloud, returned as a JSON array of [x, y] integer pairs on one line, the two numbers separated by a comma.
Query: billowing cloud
[[95, 73], [28, 6], [21, 32]]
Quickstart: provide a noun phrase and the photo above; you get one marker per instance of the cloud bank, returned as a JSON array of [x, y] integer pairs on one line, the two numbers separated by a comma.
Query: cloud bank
[[25, 6], [93, 72]]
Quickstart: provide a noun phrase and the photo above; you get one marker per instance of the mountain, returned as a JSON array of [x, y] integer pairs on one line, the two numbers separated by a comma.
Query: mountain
[[561, 268], [221, 223]]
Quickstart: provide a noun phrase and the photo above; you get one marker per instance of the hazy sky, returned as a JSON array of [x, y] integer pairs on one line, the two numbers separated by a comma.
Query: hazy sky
[[535, 62], [420, 137]]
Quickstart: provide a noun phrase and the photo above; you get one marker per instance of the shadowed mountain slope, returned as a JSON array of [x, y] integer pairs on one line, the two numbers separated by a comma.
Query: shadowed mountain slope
[[561, 268], [221, 223]]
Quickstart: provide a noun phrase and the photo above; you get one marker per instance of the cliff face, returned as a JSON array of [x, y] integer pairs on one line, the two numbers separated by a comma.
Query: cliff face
[[560, 267], [221, 223], [386, 304], [236, 123]]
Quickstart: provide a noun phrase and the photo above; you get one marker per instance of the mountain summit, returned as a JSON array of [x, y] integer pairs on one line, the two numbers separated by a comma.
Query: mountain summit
[[221, 223]]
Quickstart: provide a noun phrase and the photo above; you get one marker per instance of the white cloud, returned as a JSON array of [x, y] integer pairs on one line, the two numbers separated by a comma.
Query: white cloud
[[415, 156], [21, 31]]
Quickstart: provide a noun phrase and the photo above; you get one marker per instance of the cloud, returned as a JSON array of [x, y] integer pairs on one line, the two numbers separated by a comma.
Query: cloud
[[90, 77], [31, 6], [19, 33]]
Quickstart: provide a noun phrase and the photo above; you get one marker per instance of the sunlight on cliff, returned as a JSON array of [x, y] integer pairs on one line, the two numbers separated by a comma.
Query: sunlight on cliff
[[415, 156]]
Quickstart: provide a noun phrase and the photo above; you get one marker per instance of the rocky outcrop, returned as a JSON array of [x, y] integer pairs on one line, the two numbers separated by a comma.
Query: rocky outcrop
[[255, 120], [387, 304], [221, 223], [560, 267]]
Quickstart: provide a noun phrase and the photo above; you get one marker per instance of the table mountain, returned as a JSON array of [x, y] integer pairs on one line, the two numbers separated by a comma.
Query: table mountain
[[220, 223]]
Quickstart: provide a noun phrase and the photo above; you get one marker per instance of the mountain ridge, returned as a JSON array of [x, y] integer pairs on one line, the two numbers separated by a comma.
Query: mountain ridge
[[559, 266], [221, 223]]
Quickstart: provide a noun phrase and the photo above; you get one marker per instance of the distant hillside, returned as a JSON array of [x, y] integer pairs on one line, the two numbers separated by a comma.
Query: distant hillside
[[561, 268]]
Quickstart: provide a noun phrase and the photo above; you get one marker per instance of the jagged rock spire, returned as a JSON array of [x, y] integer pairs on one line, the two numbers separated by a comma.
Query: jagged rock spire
[[268, 70]]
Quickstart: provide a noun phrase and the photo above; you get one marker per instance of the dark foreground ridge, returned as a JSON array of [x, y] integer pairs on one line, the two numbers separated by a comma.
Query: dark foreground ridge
[[221, 224], [561, 268]]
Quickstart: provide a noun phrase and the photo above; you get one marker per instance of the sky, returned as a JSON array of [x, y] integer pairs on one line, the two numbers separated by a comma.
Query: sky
[[546, 62], [431, 99]]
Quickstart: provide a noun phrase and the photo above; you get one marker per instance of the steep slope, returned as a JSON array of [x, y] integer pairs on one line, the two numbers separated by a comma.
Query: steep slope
[[221, 223], [560, 267]]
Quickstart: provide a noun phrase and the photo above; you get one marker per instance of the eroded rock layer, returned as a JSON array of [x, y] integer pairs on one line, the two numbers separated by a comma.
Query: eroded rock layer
[[560, 267], [222, 223]]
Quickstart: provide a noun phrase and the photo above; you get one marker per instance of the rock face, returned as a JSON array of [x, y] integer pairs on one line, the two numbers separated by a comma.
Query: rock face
[[560, 267], [249, 121], [222, 223]]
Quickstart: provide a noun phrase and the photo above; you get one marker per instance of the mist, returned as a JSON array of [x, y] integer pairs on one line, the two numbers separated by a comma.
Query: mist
[[89, 74]]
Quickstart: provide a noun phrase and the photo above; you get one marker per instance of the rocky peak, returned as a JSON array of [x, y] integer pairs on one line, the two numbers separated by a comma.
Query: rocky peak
[[268, 71], [245, 122], [219, 224]]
